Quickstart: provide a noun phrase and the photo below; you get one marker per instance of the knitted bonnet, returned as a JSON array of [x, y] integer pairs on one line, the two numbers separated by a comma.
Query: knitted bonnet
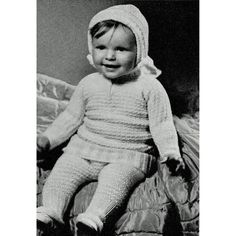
[[130, 16]]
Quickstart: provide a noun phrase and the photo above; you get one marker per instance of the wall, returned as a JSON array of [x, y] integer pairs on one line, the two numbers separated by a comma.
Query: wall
[[174, 39], [62, 37]]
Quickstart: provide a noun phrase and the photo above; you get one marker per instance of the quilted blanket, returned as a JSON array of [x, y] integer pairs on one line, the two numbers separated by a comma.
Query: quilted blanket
[[163, 204]]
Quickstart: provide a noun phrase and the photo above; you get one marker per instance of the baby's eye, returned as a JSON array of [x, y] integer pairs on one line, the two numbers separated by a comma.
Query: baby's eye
[[100, 47], [121, 49]]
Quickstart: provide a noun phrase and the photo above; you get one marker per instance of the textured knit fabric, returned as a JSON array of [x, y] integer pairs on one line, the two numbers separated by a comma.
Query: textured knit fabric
[[67, 175], [130, 16], [117, 122], [114, 183]]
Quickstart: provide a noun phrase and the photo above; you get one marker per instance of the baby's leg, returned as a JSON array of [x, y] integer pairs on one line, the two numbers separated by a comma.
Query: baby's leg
[[67, 175], [114, 184]]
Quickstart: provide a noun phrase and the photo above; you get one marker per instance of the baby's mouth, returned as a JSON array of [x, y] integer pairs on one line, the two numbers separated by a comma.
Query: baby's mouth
[[111, 66]]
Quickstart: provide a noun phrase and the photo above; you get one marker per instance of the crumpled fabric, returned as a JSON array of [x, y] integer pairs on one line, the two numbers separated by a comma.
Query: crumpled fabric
[[162, 205]]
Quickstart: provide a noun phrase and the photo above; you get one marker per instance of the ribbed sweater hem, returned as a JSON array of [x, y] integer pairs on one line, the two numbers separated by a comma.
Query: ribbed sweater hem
[[91, 151]]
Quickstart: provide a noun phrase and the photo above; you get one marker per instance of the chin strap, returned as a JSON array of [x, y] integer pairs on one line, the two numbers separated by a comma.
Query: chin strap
[[146, 66]]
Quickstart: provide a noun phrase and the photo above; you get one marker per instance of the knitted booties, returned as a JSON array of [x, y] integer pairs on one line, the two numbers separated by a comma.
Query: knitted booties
[[46, 226], [88, 224]]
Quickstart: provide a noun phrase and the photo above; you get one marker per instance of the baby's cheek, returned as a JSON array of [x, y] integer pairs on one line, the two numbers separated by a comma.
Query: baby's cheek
[[130, 64], [97, 60]]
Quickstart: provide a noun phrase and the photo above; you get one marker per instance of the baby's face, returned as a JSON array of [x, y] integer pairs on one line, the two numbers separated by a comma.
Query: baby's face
[[114, 53]]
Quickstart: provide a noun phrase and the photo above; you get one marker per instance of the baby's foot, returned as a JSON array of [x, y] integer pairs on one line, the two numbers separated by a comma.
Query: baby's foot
[[45, 225]]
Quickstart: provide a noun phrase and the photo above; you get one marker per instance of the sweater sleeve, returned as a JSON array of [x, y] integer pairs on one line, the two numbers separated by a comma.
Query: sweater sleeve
[[161, 122], [69, 120]]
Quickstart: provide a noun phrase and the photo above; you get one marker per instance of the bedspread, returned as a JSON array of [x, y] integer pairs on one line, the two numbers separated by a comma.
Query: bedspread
[[161, 205]]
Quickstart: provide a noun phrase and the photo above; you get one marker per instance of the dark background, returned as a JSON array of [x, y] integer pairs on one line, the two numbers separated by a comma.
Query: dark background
[[173, 45]]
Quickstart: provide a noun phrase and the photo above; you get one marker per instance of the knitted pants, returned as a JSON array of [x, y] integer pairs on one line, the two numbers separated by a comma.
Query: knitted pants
[[115, 180]]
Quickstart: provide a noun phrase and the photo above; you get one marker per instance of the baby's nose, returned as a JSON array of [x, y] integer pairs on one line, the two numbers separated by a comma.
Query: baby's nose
[[110, 55]]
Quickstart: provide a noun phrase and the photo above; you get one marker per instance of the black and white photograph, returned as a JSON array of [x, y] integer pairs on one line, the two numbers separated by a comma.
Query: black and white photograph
[[117, 118], [107, 107]]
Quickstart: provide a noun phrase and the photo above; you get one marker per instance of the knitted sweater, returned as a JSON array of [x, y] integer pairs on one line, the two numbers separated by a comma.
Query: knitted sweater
[[117, 121]]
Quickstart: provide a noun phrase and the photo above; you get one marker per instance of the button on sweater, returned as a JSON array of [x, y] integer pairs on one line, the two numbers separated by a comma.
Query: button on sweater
[[117, 121]]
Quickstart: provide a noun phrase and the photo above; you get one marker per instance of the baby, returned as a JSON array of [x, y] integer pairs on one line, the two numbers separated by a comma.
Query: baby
[[116, 117]]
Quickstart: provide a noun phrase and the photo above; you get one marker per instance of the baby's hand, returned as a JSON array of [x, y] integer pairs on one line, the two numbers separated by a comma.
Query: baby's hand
[[174, 164], [43, 143], [43, 146]]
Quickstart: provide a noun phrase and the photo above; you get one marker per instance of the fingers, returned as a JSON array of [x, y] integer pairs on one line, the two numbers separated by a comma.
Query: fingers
[[180, 166], [43, 143], [174, 164], [43, 146], [39, 148]]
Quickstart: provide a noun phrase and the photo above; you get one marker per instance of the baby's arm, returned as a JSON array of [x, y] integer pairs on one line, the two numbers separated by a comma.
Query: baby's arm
[[66, 123], [162, 127]]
